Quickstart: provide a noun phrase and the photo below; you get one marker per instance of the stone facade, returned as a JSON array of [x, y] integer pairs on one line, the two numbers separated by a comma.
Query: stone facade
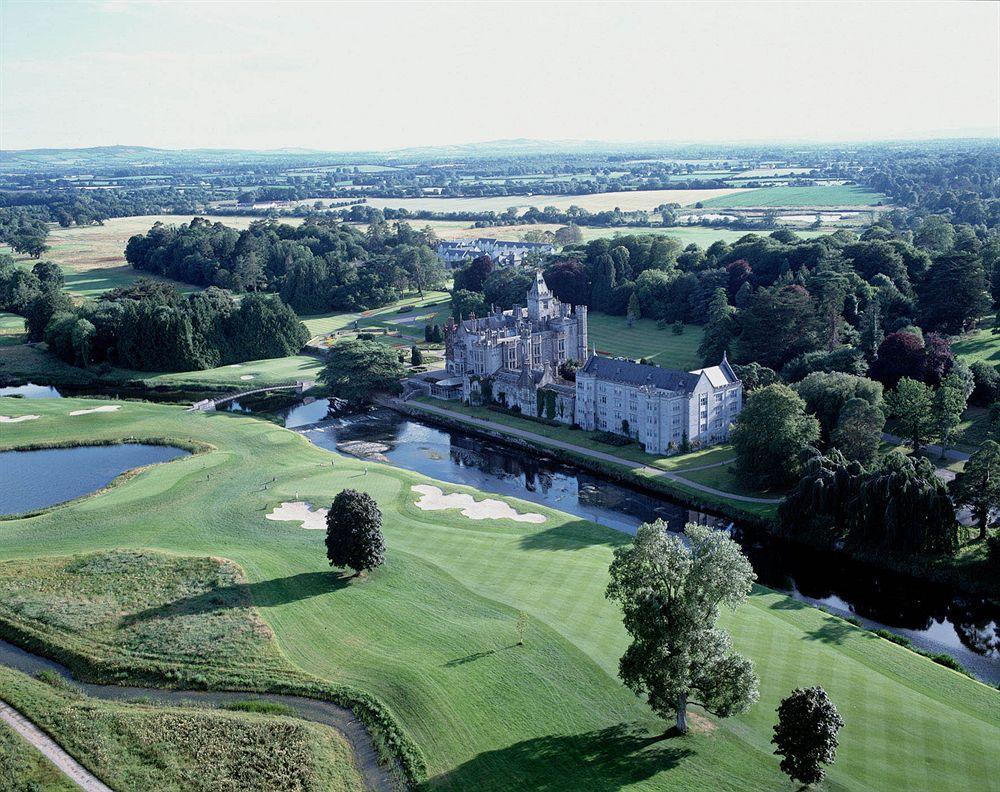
[[513, 358], [660, 408], [502, 252]]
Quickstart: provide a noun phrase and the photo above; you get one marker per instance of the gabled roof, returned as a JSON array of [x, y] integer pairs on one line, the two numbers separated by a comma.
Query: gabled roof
[[631, 373]]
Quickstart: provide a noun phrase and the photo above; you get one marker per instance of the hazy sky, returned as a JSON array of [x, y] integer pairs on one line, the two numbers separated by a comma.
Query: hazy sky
[[384, 75]]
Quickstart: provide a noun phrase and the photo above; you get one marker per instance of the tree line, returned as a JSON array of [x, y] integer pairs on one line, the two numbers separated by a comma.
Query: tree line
[[322, 265], [149, 325]]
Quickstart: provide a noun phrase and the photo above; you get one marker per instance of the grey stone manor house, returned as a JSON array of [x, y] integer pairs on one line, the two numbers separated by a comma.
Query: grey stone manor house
[[513, 358]]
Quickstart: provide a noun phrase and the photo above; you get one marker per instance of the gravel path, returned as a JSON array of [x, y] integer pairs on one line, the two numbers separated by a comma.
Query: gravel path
[[628, 463], [376, 777], [78, 774]]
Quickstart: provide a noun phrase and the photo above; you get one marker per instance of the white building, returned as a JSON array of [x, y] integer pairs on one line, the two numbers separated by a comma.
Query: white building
[[504, 253], [661, 408], [512, 358]]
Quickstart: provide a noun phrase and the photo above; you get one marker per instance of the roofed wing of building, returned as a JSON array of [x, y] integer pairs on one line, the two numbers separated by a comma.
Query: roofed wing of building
[[514, 357]]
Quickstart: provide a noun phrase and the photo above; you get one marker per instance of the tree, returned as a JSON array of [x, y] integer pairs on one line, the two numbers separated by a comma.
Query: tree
[[826, 393], [604, 283], [670, 593], [806, 734], [911, 403], [954, 294], [567, 279], [770, 434], [357, 370], [949, 404], [568, 235], [472, 277], [416, 357], [634, 314], [901, 354], [354, 532], [718, 330], [858, 433], [776, 325], [466, 303], [978, 485], [870, 326]]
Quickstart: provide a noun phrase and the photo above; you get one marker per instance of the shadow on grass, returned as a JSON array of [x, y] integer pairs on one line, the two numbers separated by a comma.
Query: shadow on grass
[[471, 658], [277, 591], [574, 535], [834, 632], [787, 603], [607, 759]]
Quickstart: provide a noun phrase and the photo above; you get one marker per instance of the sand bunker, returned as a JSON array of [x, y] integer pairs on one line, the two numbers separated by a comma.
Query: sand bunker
[[247, 376], [104, 408], [8, 419], [300, 511], [433, 499]]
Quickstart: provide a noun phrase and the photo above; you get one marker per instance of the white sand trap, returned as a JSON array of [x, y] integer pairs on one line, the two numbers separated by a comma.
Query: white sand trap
[[102, 408], [247, 376], [433, 499], [8, 419], [300, 511], [234, 365]]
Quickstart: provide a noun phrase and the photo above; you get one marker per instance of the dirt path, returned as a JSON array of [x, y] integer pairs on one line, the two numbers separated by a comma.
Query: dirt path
[[376, 776], [78, 774], [637, 467]]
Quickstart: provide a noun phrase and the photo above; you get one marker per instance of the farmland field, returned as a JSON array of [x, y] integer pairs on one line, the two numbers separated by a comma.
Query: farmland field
[[826, 195], [699, 235], [433, 632], [597, 202]]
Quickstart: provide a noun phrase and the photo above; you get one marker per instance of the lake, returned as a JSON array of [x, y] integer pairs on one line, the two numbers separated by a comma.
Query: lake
[[31, 480]]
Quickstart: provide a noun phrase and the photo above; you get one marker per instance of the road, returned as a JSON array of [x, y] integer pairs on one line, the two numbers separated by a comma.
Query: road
[[636, 467]]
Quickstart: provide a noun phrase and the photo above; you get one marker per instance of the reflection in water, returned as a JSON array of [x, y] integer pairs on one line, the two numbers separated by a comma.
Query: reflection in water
[[31, 391], [932, 616]]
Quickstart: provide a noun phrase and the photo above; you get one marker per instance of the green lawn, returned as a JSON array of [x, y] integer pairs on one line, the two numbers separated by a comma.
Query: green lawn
[[980, 344], [433, 307], [11, 329], [23, 362], [613, 336], [699, 235], [819, 196], [433, 632]]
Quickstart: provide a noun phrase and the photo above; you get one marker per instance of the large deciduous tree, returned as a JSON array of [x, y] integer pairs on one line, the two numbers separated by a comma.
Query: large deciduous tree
[[858, 432], [770, 434], [978, 485], [671, 593], [911, 403], [806, 734], [358, 370], [354, 532]]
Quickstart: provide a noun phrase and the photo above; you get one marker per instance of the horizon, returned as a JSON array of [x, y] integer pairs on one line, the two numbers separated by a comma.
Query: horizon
[[358, 78]]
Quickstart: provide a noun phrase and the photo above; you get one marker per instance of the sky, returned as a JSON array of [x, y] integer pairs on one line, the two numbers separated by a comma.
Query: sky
[[380, 75]]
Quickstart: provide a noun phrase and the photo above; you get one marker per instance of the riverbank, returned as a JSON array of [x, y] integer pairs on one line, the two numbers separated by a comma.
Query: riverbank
[[967, 571], [433, 633]]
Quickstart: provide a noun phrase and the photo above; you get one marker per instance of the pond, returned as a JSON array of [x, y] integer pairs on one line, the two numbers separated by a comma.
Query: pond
[[934, 617], [31, 391], [31, 480]]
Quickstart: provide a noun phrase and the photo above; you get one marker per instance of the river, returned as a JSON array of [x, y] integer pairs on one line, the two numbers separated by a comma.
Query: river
[[934, 617]]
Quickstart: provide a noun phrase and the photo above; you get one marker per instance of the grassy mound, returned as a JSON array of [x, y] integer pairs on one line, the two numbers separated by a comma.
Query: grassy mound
[[432, 633], [137, 610], [145, 746]]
